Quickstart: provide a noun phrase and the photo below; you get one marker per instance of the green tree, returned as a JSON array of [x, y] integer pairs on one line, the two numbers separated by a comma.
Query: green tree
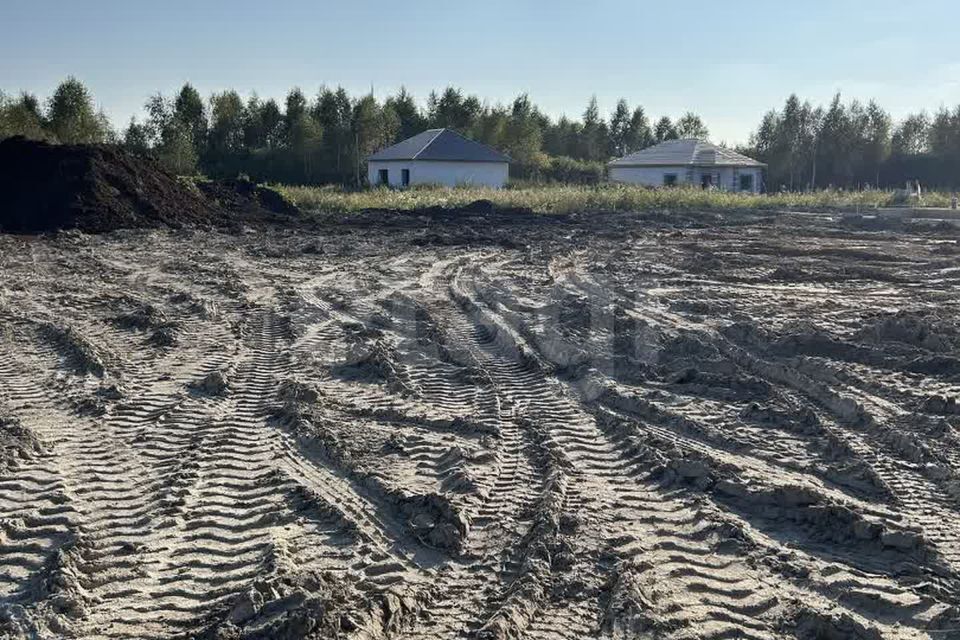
[[763, 140], [665, 130], [22, 117], [639, 136], [691, 126], [303, 142], [563, 138], [136, 138], [373, 128], [263, 126], [271, 123], [253, 134], [296, 110], [878, 142], [943, 134], [788, 139], [334, 112], [593, 135], [408, 113], [71, 115], [452, 110], [389, 125], [522, 136], [833, 149], [226, 124], [491, 126], [177, 150], [170, 139], [159, 116], [189, 110], [910, 136], [620, 129], [811, 124]]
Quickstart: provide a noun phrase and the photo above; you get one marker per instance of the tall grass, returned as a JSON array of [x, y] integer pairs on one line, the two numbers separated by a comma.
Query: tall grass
[[558, 198]]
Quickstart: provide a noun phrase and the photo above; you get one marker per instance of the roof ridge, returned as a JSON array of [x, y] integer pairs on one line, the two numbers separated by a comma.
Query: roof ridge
[[482, 144], [686, 152], [441, 143], [429, 142]]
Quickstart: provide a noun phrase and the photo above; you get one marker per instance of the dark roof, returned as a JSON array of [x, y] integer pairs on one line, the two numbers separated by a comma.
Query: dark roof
[[689, 151], [440, 144]]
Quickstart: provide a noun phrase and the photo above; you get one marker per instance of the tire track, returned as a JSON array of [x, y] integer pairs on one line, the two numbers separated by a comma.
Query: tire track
[[628, 467], [743, 610], [601, 497]]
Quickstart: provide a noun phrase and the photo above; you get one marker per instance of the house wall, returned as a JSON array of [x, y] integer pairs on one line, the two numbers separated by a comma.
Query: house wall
[[730, 177], [647, 176], [726, 178], [449, 174]]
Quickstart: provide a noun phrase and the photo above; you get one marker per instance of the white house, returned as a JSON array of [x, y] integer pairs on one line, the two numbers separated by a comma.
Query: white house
[[438, 156], [689, 162]]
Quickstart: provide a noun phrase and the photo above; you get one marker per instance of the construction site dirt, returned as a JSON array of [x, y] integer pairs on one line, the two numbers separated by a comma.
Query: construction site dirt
[[482, 424]]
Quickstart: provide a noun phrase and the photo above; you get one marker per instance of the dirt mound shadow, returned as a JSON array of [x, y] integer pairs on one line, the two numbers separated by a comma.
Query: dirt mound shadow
[[247, 198], [94, 188]]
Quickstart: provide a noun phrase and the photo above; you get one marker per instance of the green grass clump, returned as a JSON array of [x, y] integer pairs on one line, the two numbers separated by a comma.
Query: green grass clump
[[558, 198]]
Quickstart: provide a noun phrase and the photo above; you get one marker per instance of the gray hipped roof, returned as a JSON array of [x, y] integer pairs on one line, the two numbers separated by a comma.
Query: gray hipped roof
[[440, 144], [688, 152]]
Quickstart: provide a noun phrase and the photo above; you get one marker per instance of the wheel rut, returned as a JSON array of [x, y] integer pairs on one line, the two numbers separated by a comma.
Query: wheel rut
[[488, 426]]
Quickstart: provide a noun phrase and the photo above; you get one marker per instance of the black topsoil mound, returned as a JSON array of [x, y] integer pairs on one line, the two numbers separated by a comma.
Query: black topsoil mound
[[97, 188], [245, 197]]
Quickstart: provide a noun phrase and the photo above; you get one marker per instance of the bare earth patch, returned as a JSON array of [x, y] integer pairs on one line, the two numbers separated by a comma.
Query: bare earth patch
[[491, 425]]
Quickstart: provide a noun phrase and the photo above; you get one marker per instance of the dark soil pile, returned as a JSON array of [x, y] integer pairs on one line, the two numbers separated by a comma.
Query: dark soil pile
[[247, 198], [481, 213], [93, 188]]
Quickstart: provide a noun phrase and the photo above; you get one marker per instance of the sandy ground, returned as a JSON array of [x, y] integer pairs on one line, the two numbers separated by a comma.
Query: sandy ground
[[618, 427]]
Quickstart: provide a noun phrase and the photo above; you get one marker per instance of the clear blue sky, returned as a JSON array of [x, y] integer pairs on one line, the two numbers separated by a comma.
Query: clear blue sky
[[729, 62]]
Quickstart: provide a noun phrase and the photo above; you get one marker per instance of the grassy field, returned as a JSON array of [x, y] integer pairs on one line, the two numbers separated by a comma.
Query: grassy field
[[608, 197]]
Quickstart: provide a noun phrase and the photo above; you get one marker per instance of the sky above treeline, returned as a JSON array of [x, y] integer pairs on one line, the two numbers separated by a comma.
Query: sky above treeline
[[729, 63]]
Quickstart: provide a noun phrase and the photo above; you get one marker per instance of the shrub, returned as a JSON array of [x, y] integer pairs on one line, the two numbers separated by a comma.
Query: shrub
[[551, 169], [565, 198]]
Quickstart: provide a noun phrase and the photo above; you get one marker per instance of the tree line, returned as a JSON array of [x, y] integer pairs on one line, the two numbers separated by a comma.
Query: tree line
[[67, 116], [324, 138], [856, 145]]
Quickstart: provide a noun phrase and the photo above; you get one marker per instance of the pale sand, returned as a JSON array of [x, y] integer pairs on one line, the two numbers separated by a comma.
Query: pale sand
[[596, 428]]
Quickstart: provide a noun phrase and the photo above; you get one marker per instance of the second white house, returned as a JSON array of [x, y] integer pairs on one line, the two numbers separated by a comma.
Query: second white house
[[438, 156], [689, 162]]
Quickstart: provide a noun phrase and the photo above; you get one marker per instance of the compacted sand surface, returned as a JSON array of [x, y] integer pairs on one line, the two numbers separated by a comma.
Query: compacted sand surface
[[486, 426]]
